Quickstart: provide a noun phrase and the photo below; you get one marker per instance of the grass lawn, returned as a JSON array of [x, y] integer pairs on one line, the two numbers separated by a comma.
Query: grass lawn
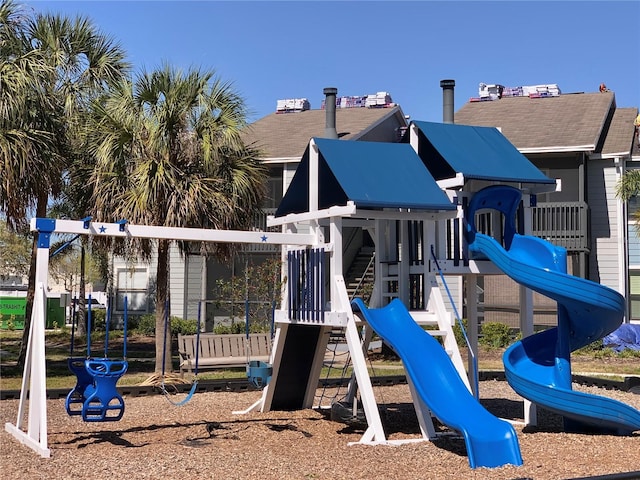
[[141, 354]]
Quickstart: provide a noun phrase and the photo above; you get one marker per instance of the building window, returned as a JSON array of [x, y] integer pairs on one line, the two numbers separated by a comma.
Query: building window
[[634, 295], [274, 188], [133, 283]]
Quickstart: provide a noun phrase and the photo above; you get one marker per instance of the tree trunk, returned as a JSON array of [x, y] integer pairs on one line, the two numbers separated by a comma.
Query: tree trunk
[[163, 346]]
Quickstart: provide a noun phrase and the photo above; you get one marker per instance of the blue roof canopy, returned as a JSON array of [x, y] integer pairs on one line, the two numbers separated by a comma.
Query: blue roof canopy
[[480, 153], [373, 175]]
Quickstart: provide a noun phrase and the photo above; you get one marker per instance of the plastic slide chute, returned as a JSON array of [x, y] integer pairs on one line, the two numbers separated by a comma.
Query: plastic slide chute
[[490, 441], [539, 366]]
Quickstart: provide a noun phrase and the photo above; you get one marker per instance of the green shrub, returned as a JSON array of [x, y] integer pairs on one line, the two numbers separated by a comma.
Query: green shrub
[[183, 327], [495, 335], [133, 322], [235, 327], [147, 324], [594, 348], [629, 353], [98, 320], [457, 332]]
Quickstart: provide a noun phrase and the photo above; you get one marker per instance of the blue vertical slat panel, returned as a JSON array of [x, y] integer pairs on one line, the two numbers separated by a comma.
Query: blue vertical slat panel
[[299, 291], [314, 288], [290, 283], [456, 242], [322, 285], [303, 279], [465, 248]]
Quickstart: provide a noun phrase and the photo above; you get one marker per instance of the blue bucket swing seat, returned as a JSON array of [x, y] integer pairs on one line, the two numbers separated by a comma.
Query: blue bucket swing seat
[[96, 379]]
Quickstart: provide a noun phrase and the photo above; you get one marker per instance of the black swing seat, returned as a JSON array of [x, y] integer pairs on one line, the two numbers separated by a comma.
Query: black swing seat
[[96, 389]]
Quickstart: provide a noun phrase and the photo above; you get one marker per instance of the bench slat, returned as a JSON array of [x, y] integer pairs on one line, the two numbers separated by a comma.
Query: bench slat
[[222, 350]]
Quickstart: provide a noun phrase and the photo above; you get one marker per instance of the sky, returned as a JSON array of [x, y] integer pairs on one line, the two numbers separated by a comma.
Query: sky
[[294, 49]]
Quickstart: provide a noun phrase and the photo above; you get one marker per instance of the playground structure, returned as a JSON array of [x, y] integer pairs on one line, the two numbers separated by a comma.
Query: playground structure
[[425, 202]]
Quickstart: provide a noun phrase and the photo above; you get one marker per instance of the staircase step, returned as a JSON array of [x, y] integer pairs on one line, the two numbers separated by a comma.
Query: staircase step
[[438, 333]]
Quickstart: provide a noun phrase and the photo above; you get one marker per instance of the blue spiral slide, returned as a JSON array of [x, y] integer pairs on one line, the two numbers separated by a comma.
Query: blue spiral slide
[[538, 367], [490, 442]]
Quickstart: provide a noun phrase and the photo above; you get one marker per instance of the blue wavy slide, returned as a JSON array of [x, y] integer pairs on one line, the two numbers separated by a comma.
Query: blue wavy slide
[[538, 367], [490, 442]]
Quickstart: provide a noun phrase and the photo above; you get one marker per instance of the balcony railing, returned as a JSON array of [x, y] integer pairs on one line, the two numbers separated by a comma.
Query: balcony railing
[[562, 223], [260, 225]]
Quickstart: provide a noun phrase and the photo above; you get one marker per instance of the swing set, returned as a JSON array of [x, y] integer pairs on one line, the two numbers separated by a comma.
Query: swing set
[[96, 378]]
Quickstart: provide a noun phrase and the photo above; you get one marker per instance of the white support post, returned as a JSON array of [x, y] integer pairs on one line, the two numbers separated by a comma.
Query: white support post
[[35, 366], [380, 272], [403, 265], [526, 329], [314, 160], [526, 313], [472, 323], [375, 432], [335, 267]]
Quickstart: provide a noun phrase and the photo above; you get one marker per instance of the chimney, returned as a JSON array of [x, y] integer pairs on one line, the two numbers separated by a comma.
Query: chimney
[[330, 108], [447, 100]]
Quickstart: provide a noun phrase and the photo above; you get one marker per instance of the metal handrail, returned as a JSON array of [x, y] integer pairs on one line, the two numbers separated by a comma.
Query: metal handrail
[[361, 281]]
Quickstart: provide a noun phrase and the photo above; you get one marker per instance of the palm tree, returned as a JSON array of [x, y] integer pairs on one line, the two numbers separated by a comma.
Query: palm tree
[[629, 185], [168, 152], [50, 69]]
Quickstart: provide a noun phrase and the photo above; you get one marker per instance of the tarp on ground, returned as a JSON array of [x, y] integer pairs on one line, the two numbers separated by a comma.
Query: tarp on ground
[[625, 336]]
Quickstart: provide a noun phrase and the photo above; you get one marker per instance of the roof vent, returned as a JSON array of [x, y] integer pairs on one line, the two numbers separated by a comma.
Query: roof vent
[[447, 100], [330, 121]]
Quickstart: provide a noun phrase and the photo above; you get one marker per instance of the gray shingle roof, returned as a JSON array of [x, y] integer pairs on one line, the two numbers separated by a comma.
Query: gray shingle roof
[[286, 135], [619, 136], [571, 122]]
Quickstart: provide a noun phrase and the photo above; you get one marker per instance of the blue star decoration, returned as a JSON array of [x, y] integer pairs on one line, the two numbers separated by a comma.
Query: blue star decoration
[[263, 238], [103, 229]]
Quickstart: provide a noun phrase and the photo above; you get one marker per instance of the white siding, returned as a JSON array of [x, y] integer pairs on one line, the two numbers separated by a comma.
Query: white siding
[[287, 175], [454, 284], [605, 257], [193, 295], [185, 283]]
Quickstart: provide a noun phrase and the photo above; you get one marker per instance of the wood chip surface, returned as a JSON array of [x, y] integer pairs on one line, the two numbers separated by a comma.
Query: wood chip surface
[[204, 439]]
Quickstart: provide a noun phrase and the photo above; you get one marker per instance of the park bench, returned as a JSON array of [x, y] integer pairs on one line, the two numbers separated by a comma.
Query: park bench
[[222, 350]]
